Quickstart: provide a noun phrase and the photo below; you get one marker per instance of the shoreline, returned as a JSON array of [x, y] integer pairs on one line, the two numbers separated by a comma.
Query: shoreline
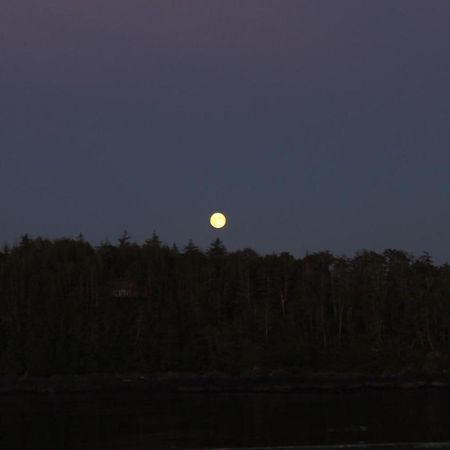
[[219, 383]]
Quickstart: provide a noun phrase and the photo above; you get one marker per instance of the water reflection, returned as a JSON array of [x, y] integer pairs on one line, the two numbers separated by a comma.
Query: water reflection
[[162, 421]]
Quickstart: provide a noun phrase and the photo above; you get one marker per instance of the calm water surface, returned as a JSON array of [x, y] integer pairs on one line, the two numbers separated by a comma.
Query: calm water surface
[[180, 421]]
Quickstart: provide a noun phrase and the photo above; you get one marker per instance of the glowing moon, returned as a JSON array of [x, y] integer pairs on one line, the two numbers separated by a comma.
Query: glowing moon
[[218, 220]]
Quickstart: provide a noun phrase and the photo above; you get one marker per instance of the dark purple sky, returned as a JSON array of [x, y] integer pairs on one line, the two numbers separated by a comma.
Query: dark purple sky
[[312, 124]]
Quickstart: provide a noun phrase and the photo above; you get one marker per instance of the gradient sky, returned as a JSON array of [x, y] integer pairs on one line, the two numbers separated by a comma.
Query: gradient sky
[[312, 124]]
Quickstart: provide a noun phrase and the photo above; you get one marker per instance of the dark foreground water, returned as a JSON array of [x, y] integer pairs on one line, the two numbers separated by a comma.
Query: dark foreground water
[[152, 421]]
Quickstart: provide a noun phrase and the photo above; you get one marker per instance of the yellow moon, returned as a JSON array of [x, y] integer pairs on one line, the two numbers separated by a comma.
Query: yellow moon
[[218, 220]]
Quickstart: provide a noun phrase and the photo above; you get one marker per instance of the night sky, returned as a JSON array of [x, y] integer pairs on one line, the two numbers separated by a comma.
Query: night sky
[[312, 124]]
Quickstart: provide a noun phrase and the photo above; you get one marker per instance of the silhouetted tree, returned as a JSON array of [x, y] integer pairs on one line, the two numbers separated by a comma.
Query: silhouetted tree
[[192, 310]]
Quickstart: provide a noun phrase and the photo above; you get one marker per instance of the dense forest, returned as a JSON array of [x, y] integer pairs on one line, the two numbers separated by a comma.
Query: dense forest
[[69, 307]]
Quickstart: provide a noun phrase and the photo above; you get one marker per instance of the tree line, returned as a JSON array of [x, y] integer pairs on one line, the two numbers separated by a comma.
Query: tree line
[[67, 306]]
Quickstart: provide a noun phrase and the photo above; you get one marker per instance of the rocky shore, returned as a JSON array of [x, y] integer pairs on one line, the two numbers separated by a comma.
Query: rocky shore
[[216, 382]]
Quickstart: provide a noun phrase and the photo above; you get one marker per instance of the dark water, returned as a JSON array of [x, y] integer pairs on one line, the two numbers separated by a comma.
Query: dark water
[[149, 421]]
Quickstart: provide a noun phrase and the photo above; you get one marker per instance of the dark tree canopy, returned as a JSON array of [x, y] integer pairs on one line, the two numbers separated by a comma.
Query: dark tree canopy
[[69, 307]]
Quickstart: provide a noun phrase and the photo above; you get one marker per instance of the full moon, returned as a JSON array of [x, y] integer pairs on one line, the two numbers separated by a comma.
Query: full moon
[[218, 220]]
